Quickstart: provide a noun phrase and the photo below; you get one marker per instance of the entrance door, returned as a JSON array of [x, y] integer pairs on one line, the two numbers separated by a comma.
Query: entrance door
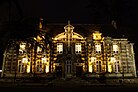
[[59, 71], [78, 71]]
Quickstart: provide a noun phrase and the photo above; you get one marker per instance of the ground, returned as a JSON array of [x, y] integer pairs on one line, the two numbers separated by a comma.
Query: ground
[[62, 85]]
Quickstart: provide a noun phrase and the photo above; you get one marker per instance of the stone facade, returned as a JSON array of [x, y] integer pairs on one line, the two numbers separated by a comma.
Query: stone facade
[[69, 54]]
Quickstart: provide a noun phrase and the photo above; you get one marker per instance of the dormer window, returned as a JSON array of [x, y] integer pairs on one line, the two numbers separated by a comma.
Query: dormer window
[[39, 49], [115, 48], [59, 48], [98, 48], [78, 48]]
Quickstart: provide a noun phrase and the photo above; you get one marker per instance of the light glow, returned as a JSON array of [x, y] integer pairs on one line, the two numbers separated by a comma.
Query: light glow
[[78, 48], [59, 48], [115, 47], [44, 60], [98, 47], [93, 59], [24, 60], [110, 68]]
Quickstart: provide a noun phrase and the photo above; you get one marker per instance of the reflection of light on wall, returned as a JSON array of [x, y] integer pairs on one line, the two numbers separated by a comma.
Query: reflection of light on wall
[[47, 68], [22, 46], [109, 68], [43, 60], [39, 49], [93, 59], [90, 68], [97, 35], [24, 60], [28, 67]]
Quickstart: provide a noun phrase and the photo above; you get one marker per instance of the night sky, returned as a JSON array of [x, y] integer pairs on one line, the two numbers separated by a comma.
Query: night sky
[[124, 12]]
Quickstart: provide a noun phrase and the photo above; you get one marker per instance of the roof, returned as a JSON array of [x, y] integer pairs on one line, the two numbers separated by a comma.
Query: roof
[[84, 29]]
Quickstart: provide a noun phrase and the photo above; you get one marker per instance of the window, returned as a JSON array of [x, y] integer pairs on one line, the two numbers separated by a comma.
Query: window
[[23, 65], [39, 49], [91, 67], [115, 48], [78, 48], [68, 66], [39, 67], [59, 48], [43, 60], [24, 60], [98, 48], [98, 66], [117, 66], [93, 59]]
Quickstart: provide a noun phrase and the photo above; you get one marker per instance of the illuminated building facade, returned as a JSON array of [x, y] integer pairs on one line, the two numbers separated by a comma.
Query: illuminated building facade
[[69, 54]]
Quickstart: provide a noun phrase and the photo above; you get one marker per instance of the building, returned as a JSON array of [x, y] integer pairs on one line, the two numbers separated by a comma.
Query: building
[[69, 54]]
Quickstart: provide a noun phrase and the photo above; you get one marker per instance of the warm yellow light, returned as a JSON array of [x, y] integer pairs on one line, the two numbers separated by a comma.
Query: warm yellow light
[[115, 47], [93, 59], [47, 69], [44, 60], [39, 38], [113, 59], [24, 60], [34, 38], [98, 47], [110, 68], [97, 35], [55, 38], [28, 67], [22, 46], [90, 68], [40, 25], [39, 49]]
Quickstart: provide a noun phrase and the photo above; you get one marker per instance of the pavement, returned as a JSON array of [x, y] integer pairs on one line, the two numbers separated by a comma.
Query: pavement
[[61, 84]]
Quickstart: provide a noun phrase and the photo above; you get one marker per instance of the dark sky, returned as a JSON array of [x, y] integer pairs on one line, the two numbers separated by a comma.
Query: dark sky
[[124, 12], [84, 11]]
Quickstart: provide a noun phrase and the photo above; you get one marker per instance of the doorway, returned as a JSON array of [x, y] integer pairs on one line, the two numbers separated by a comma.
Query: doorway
[[78, 71], [59, 71]]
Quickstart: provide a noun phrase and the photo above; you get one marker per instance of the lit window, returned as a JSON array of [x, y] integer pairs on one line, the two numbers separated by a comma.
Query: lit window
[[116, 66], [24, 60], [59, 48], [110, 68], [115, 48], [78, 48], [39, 49], [43, 60], [98, 48], [113, 59], [93, 59]]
